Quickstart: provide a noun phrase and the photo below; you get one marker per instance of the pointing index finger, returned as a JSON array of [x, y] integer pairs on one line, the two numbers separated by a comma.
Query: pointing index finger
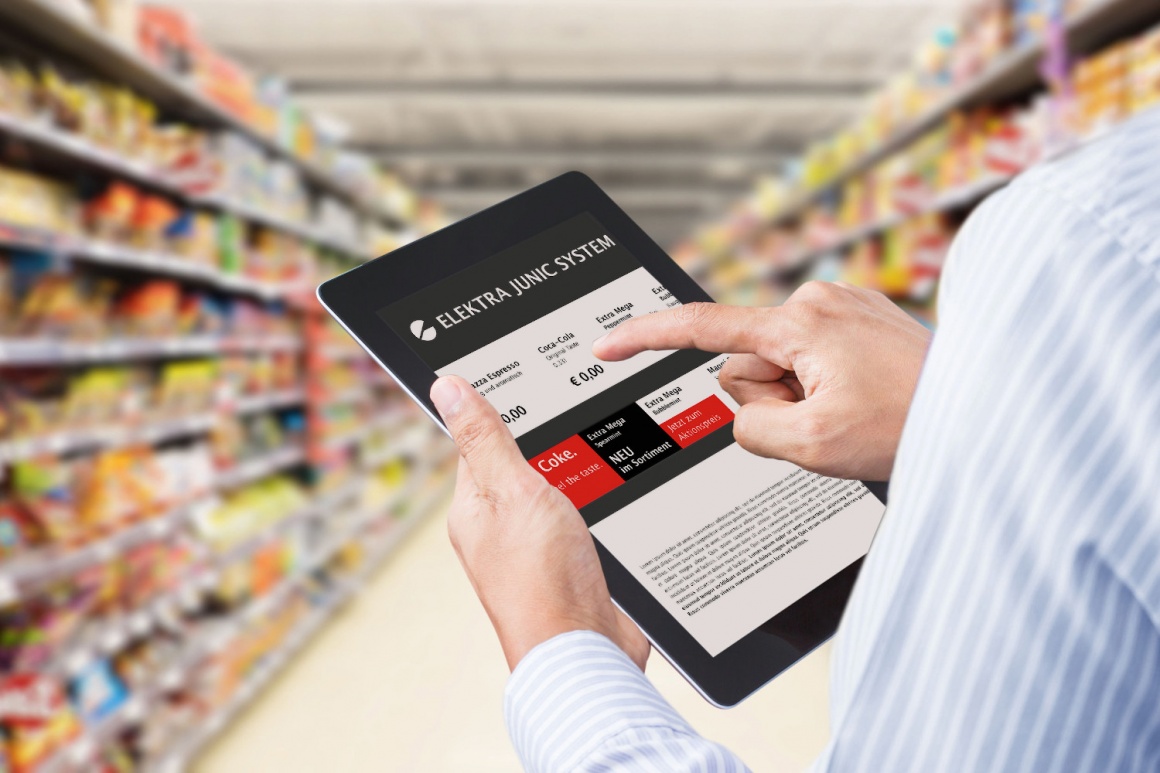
[[706, 326]]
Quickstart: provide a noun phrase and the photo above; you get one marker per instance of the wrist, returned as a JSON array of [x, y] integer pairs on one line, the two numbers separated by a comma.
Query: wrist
[[517, 639], [519, 636]]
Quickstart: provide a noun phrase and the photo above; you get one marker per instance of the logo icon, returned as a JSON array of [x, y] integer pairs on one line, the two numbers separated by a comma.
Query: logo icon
[[421, 332]]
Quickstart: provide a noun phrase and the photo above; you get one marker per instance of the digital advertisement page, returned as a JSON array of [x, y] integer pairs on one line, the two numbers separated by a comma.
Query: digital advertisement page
[[723, 539]]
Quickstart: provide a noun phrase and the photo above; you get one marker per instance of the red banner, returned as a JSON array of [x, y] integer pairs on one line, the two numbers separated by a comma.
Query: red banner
[[698, 421], [574, 468]]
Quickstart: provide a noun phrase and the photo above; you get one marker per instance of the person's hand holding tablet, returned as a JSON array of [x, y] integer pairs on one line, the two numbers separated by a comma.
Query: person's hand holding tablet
[[734, 561], [824, 381], [523, 545]]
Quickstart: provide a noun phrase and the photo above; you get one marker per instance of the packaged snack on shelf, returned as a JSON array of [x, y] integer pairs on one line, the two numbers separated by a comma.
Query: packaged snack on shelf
[[18, 89], [150, 308], [1102, 88], [186, 388], [1144, 87], [185, 473], [66, 306], [31, 745], [166, 37], [250, 510], [258, 374], [36, 202], [119, 487], [97, 692], [45, 489], [109, 216], [17, 530], [31, 402], [140, 664], [152, 218], [94, 397], [119, 18]]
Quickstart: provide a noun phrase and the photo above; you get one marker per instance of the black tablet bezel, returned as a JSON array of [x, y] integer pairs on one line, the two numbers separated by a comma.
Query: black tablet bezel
[[353, 299]]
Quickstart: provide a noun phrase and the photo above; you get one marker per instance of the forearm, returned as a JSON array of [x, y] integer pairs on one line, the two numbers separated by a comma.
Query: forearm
[[578, 703]]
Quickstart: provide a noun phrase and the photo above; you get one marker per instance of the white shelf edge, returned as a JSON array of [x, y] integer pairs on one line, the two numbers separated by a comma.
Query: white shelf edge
[[41, 350], [90, 43], [81, 149], [178, 759], [947, 201], [1008, 64]]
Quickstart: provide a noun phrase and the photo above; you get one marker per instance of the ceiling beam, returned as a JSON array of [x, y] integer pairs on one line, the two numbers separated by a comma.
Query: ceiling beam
[[621, 157], [346, 87], [654, 199]]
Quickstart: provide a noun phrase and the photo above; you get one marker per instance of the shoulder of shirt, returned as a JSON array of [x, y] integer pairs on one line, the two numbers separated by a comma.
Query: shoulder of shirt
[[1111, 180]]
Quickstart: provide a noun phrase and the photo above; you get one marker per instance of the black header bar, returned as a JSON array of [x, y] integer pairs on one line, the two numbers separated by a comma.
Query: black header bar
[[486, 301]]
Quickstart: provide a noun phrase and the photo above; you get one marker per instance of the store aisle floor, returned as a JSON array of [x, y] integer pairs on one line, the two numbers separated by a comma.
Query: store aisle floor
[[409, 677]]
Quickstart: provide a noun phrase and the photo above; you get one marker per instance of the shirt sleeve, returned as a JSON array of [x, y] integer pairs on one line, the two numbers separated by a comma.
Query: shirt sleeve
[[577, 703]]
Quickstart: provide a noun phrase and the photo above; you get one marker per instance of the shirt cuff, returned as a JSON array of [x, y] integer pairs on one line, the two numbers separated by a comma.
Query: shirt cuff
[[572, 695]]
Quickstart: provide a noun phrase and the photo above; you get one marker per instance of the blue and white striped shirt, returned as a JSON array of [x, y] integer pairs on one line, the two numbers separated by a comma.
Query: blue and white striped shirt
[[1008, 615]]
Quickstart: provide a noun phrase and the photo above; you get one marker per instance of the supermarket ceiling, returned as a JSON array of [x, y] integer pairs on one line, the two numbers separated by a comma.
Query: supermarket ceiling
[[673, 106]]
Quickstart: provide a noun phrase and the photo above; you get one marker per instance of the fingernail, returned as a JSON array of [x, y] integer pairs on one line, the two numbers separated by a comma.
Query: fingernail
[[446, 395], [600, 340]]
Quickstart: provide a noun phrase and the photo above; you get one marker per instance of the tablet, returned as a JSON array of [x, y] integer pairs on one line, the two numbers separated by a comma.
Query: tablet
[[733, 565]]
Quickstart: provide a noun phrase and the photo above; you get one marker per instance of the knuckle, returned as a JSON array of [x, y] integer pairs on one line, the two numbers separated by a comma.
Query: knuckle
[[812, 433], [812, 428], [806, 314], [728, 374], [815, 288], [693, 315], [700, 318], [538, 494], [471, 435], [818, 296], [818, 301], [491, 501], [744, 427]]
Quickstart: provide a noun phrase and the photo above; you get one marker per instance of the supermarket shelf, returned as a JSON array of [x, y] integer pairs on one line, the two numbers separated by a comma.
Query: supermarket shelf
[[355, 394], [339, 352], [396, 535], [261, 467], [112, 634], [151, 433], [77, 754], [24, 575], [266, 402], [1009, 76], [318, 508], [114, 436], [282, 223], [149, 261], [949, 201], [383, 423], [218, 636], [103, 54], [179, 759], [410, 443], [46, 351], [80, 150], [117, 256]]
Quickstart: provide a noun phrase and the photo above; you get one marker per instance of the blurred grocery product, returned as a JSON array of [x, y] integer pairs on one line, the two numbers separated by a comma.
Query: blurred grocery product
[[878, 203], [184, 464]]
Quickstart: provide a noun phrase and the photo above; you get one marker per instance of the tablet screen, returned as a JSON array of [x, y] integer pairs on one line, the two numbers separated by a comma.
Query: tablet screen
[[723, 539]]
